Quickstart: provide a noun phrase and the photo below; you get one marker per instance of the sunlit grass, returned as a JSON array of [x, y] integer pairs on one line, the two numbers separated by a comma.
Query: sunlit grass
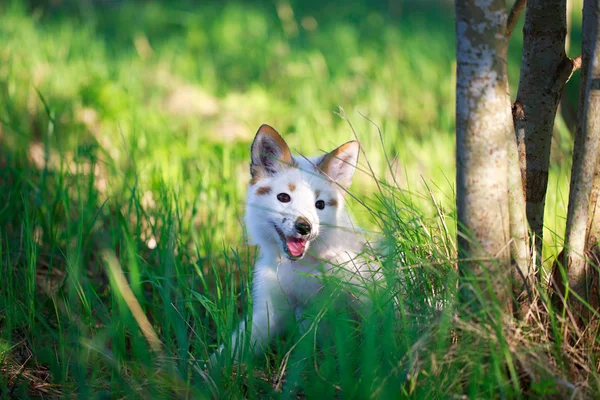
[[125, 136]]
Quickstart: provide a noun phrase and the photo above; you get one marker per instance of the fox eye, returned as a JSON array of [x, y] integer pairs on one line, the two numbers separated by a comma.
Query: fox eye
[[283, 197], [320, 204]]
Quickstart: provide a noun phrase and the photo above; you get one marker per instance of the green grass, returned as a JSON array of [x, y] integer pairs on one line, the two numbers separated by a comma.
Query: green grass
[[124, 133]]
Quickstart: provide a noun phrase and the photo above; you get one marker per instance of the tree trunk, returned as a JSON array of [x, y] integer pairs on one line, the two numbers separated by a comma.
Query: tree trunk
[[513, 17], [593, 226], [585, 158], [592, 240], [483, 124], [545, 69], [523, 269]]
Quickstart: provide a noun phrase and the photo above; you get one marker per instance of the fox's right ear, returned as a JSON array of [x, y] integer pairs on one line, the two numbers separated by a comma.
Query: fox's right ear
[[270, 153]]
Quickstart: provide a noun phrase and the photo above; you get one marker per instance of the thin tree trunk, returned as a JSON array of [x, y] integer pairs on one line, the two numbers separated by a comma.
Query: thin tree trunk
[[545, 69], [593, 122], [593, 227], [483, 124], [523, 269], [585, 156], [592, 242], [513, 16]]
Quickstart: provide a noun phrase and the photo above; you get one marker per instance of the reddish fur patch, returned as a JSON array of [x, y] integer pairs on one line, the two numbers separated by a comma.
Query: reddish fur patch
[[257, 174], [256, 171], [292, 187], [263, 190], [332, 203], [335, 154], [286, 155]]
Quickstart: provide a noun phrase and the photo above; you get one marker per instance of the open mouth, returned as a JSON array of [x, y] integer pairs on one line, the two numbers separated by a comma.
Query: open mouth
[[294, 247]]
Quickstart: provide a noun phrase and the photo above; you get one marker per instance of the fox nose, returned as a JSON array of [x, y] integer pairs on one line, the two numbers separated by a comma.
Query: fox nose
[[302, 226]]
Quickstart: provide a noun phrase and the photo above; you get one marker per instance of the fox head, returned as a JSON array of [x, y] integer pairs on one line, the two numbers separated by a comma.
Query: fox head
[[294, 202]]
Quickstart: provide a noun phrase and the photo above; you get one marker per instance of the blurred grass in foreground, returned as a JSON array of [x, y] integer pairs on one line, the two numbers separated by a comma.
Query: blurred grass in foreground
[[125, 129]]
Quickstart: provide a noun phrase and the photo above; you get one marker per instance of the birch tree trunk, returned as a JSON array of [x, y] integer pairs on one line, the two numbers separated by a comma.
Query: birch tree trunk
[[580, 221], [483, 125], [545, 69]]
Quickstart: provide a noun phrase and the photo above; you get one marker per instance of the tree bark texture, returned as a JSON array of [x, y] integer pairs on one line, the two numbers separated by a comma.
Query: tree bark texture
[[593, 227], [483, 124], [513, 16], [581, 216], [592, 242], [545, 69], [523, 269]]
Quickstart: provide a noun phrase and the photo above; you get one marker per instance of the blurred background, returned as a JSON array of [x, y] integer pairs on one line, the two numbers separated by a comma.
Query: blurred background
[[170, 93]]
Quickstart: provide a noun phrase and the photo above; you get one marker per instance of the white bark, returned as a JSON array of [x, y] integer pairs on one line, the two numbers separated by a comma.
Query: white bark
[[483, 125], [585, 153]]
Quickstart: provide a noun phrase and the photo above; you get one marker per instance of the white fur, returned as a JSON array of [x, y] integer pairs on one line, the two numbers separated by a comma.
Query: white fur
[[282, 286]]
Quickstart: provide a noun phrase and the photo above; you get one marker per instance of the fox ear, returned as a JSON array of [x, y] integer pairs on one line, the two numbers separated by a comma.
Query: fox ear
[[340, 164], [269, 153]]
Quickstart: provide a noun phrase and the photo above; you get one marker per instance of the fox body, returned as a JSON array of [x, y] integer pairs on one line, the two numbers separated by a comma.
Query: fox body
[[295, 214]]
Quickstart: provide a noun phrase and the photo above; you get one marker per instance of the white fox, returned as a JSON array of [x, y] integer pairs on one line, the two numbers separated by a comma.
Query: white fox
[[295, 214]]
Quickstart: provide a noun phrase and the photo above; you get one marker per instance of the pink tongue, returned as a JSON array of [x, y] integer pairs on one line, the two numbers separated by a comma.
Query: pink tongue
[[296, 247]]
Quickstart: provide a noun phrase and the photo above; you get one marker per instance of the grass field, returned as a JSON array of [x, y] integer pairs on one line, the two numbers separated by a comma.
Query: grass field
[[124, 132]]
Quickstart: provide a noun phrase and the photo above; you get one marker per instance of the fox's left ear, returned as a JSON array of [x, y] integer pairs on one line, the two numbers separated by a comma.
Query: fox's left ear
[[340, 164]]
